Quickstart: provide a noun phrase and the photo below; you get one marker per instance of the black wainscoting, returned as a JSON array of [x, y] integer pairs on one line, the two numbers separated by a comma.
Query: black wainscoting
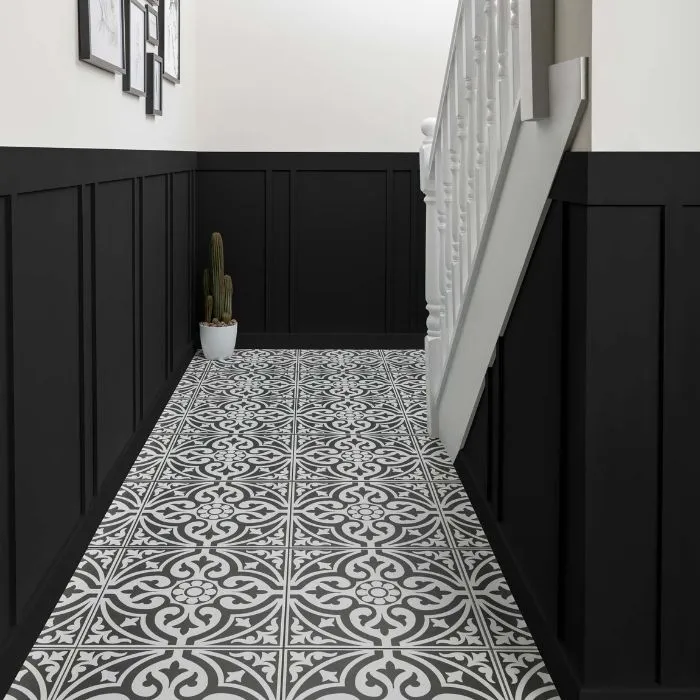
[[325, 249], [581, 458], [95, 306]]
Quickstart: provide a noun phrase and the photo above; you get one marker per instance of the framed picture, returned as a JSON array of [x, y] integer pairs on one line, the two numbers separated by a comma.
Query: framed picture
[[153, 28], [101, 34], [169, 47], [134, 80], [154, 84]]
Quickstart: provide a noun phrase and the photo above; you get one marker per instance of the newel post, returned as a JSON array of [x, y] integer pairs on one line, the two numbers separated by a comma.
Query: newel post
[[433, 353]]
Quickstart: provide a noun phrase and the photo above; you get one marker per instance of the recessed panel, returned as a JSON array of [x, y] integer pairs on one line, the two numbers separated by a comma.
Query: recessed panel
[[47, 380], [114, 321], [339, 240]]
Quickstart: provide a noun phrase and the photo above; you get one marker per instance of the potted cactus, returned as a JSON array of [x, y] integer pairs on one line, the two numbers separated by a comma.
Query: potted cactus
[[218, 330]]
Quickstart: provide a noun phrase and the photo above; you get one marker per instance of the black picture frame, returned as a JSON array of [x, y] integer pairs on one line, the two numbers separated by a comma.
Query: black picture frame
[[85, 48], [154, 78], [127, 78], [162, 12], [152, 11]]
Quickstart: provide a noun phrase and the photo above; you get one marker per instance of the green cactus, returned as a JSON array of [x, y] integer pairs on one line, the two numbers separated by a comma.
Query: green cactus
[[217, 272], [217, 287], [226, 314]]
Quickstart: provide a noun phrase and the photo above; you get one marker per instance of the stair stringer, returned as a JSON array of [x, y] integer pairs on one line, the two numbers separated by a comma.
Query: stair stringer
[[519, 208]]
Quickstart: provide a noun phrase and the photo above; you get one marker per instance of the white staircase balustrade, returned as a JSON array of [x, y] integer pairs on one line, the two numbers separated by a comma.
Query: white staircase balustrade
[[465, 162], [461, 155]]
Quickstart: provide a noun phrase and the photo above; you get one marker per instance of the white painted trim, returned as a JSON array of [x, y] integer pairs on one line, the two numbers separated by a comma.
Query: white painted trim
[[518, 215]]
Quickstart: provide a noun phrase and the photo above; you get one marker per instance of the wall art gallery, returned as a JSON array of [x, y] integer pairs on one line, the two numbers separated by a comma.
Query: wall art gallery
[[137, 39]]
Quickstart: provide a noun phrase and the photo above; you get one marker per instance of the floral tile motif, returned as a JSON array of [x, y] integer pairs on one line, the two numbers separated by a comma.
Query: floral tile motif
[[379, 598], [174, 413], [322, 361], [223, 457], [232, 415], [366, 514], [78, 599], [435, 459], [382, 674], [351, 416], [244, 387], [214, 514], [462, 522], [150, 459], [121, 515], [405, 359], [526, 675], [196, 597], [345, 386], [357, 457], [38, 675], [408, 381], [172, 674], [504, 622]]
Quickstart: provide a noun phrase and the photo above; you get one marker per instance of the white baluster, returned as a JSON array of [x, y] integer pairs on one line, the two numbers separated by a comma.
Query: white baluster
[[462, 175], [455, 195], [505, 106], [479, 104], [445, 303], [470, 141], [514, 52], [492, 141], [446, 176], [433, 354]]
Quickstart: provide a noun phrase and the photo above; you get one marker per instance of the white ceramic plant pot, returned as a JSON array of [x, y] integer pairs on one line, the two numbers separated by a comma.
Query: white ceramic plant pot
[[218, 342]]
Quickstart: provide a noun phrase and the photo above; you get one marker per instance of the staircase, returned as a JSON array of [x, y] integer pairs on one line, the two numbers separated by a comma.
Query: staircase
[[506, 116]]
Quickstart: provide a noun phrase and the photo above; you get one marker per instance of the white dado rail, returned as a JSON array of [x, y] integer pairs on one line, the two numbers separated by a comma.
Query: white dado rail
[[498, 76]]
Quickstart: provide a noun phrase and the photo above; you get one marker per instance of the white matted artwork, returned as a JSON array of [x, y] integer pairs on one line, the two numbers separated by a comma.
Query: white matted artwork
[[153, 33], [154, 85], [101, 34], [169, 47], [134, 80]]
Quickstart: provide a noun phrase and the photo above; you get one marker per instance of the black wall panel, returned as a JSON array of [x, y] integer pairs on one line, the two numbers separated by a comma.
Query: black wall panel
[[154, 284], [531, 359], [78, 231], [233, 203], [7, 521], [679, 554], [114, 321], [593, 403], [301, 228], [181, 267], [47, 381], [340, 235]]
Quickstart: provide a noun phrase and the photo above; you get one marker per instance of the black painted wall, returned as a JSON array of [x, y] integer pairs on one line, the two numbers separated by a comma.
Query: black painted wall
[[325, 249], [97, 319], [581, 459]]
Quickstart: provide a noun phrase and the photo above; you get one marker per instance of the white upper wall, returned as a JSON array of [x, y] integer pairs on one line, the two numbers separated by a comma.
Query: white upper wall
[[646, 75], [319, 75], [52, 99]]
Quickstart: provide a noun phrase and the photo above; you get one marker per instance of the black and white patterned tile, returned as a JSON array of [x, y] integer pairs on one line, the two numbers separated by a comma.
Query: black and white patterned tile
[[354, 415], [231, 415], [504, 622], [169, 674], [214, 514], [364, 457], [377, 597], [192, 597], [121, 514], [289, 531], [76, 604], [366, 514], [246, 456], [418, 674]]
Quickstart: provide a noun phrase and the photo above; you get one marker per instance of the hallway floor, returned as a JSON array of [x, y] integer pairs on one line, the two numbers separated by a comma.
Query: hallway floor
[[288, 532]]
